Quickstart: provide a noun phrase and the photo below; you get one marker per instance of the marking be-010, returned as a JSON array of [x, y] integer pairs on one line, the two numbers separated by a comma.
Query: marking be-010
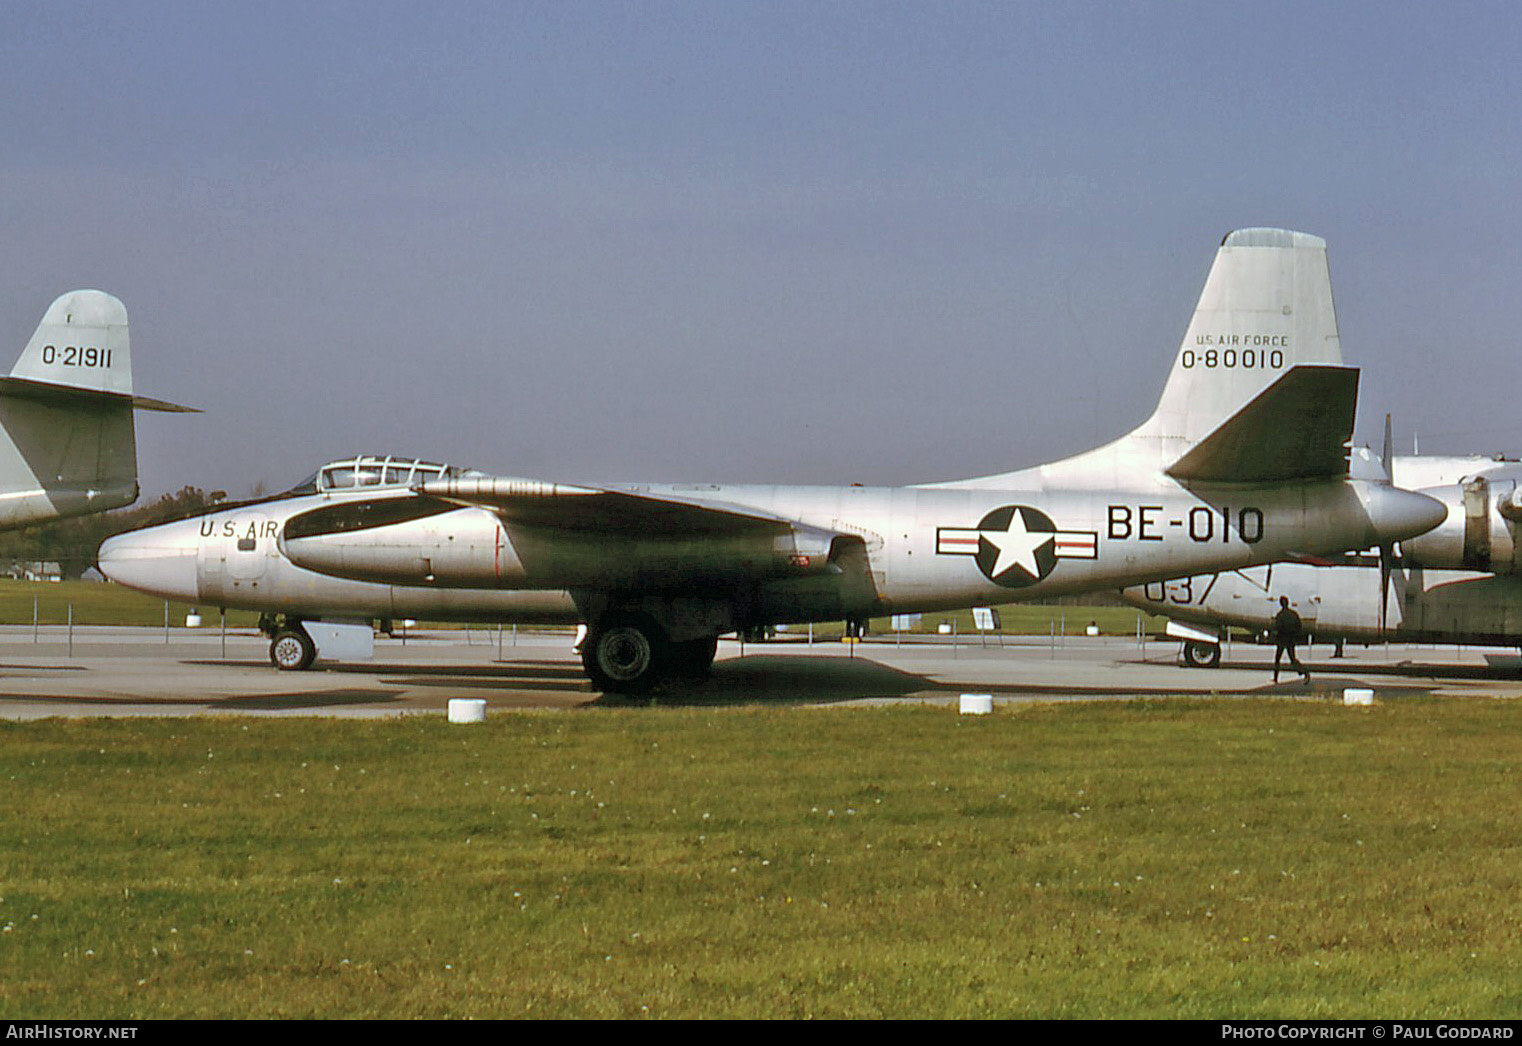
[[1142, 522]]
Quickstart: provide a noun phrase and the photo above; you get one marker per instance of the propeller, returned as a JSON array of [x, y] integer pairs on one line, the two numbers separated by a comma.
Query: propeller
[[1386, 552]]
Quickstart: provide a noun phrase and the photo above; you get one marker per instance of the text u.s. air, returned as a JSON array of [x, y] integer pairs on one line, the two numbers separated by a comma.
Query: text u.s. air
[[1245, 461]]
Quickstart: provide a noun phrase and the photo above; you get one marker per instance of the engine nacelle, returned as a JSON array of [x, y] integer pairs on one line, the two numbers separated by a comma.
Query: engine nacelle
[[1480, 533], [425, 541], [407, 541]]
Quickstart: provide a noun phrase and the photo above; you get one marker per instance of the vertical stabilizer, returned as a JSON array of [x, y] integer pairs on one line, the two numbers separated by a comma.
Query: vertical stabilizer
[[81, 343], [1230, 397], [67, 440], [1266, 307]]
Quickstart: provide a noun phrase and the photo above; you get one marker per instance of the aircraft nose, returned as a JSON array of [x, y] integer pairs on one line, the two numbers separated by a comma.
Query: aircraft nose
[[1398, 514], [159, 560]]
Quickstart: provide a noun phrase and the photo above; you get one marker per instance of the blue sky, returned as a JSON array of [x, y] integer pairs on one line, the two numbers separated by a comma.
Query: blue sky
[[767, 242]]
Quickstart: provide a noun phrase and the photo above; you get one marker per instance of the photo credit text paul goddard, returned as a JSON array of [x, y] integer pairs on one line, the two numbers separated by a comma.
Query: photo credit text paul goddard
[[1368, 1030]]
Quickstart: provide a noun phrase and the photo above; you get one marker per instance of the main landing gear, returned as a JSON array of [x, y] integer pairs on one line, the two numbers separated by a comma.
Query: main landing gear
[[630, 654]]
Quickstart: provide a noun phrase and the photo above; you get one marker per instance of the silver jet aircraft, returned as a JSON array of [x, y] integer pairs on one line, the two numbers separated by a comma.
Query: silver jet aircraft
[[67, 440], [1244, 461], [1460, 582]]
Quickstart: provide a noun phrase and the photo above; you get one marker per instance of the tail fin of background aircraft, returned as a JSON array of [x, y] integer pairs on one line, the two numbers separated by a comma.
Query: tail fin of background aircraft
[[81, 343], [1260, 361], [67, 442]]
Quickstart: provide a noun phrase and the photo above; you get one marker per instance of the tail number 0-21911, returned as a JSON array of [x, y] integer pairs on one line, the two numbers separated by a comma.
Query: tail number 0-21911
[[75, 356]]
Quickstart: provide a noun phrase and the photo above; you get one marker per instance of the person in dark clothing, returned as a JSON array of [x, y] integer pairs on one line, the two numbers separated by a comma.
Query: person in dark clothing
[[1287, 630]]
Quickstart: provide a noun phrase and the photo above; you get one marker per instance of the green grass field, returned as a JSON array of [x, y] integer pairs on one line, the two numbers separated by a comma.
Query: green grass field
[[1183, 858], [98, 603]]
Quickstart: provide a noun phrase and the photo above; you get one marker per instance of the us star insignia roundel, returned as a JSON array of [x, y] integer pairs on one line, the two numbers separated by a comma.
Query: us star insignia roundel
[[1016, 545]]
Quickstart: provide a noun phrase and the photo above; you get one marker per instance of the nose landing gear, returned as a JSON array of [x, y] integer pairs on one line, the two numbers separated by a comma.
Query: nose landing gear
[[291, 649], [1201, 655]]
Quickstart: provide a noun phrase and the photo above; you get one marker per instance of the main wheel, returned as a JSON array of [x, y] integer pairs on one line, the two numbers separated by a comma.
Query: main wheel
[[694, 658], [292, 650], [1202, 655], [625, 655]]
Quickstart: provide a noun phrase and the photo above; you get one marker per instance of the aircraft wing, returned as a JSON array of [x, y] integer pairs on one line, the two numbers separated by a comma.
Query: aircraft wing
[[1298, 428], [605, 510]]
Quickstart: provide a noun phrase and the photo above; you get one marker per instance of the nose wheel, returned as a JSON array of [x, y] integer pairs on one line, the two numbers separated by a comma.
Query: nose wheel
[[292, 650], [1202, 655]]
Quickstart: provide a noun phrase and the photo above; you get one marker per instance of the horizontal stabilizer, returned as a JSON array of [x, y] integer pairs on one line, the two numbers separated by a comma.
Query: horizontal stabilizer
[[48, 392], [163, 406], [1296, 429], [606, 511]]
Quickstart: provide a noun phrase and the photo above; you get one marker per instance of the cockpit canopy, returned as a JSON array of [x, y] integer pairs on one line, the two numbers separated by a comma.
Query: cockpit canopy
[[371, 471]]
